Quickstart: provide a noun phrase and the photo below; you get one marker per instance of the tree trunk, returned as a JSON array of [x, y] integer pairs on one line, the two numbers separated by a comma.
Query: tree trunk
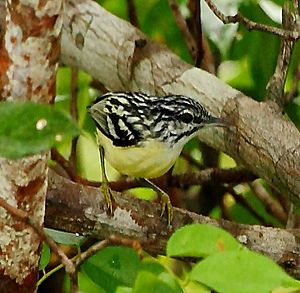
[[29, 54]]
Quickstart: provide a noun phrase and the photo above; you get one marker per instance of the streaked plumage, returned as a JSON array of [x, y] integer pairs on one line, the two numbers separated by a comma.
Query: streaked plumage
[[143, 135]]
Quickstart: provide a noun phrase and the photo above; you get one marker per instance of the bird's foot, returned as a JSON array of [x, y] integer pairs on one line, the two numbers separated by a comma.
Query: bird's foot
[[165, 201], [166, 205], [108, 196]]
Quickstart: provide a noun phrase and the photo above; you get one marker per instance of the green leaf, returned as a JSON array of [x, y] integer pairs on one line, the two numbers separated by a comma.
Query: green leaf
[[200, 240], [85, 284], [116, 266], [195, 287], [27, 128], [147, 282], [65, 238], [241, 271], [45, 256], [123, 289]]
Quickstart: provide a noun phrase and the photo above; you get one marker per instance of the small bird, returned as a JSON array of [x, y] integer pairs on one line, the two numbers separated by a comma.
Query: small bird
[[142, 135]]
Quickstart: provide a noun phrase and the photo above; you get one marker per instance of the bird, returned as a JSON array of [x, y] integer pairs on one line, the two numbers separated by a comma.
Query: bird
[[142, 135]]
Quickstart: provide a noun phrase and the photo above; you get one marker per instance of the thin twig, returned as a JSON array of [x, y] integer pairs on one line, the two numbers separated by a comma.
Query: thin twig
[[24, 217], [83, 256], [91, 251], [53, 271], [275, 86], [242, 201], [132, 13], [58, 158], [270, 203], [96, 84], [134, 244], [111, 240], [233, 175], [74, 114], [251, 25], [181, 23], [292, 217], [283, 200], [191, 160], [195, 8]]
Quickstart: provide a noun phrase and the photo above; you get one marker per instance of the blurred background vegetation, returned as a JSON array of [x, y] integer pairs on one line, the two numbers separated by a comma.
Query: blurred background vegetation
[[244, 59]]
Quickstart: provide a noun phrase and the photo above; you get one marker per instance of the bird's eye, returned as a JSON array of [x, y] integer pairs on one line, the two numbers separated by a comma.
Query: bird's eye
[[186, 117]]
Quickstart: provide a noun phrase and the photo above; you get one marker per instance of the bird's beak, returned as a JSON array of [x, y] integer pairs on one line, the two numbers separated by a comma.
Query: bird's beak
[[215, 121]]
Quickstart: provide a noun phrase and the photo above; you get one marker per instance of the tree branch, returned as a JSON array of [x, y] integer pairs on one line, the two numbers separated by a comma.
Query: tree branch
[[270, 203], [181, 23], [251, 25], [74, 113], [132, 13], [231, 175], [111, 240], [196, 28], [275, 86], [81, 209], [260, 136]]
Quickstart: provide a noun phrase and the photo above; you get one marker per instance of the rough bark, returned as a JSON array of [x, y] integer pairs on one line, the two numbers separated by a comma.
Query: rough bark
[[81, 209], [122, 58], [28, 61]]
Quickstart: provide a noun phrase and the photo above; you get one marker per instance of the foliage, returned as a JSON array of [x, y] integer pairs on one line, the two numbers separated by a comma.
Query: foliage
[[28, 128], [221, 264], [45, 257]]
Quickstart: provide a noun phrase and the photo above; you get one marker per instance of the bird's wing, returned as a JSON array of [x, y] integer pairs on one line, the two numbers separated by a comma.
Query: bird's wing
[[118, 128]]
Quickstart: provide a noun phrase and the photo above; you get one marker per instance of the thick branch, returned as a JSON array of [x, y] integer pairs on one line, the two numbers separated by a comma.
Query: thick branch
[[76, 208], [122, 58]]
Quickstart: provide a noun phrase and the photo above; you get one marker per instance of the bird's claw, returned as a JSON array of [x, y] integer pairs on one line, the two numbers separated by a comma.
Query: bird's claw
[[108, 196], [166, 205]]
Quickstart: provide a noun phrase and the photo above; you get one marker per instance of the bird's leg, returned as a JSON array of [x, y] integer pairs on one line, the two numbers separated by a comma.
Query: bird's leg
[[164, 201], [109, 197]]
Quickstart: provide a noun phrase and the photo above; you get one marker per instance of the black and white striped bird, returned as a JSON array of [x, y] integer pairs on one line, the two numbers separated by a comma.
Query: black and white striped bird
[[143, 135]]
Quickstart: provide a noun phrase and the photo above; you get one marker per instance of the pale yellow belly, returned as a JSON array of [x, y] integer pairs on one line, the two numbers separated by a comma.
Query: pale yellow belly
[[148, 161]]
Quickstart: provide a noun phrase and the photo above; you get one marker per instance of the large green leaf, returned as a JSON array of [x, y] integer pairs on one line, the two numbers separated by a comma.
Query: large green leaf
[[200, 240], [241, 271], [117, 266], [27, 128]]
